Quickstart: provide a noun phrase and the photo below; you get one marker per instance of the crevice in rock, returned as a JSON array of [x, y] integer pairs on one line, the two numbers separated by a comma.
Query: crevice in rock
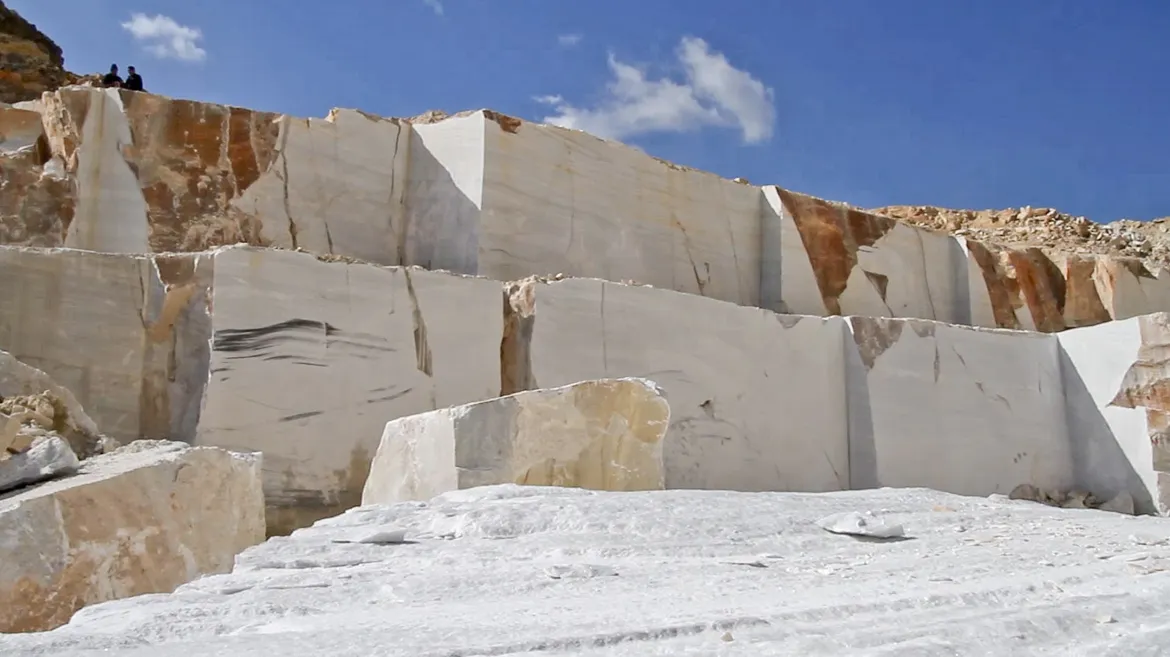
[[422, 347], [292, 225], [873, 336], [515, 345]]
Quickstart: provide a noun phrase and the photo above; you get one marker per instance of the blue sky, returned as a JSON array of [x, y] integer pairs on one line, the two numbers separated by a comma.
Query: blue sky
[[989, 104]]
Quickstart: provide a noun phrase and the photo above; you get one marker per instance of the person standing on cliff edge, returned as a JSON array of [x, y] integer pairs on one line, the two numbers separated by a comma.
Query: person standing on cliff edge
[[112, 79], [133, 81]]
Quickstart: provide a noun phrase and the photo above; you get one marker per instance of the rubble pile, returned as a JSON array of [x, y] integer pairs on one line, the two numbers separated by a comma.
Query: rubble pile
[[1047, 228]]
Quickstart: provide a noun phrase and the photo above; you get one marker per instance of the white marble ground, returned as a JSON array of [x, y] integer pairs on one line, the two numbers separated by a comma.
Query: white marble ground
[[508, 571]]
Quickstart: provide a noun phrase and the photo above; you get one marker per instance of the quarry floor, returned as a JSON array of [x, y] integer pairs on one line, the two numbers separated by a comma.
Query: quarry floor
[[509, 570]]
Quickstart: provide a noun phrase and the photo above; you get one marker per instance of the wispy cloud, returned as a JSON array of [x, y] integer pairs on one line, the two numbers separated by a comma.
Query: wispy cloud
[[712, 93], [435, 5], [569, 40], [164, 38]]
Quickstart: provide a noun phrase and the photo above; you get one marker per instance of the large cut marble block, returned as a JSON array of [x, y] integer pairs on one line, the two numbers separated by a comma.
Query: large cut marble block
[[310, 359], [600, 435], [757, 399], [963, 410], [558, 200], [494, 196], [142, 519]]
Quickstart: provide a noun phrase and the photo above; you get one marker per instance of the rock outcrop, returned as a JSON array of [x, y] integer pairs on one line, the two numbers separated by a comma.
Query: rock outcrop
[[30, 62], [142, 519], [600, 435], [1049, 229]]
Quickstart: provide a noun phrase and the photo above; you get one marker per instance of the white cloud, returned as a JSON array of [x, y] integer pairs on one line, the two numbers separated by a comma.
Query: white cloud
[[713, 93], [436, 5], [569, 40], [164, 38]]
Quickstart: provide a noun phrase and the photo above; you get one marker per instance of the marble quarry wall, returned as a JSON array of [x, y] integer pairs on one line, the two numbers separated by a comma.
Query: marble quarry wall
[[485, 194], [305, 358]]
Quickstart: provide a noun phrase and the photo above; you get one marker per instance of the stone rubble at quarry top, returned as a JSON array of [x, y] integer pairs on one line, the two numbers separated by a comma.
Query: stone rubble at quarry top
[[1047, 228]]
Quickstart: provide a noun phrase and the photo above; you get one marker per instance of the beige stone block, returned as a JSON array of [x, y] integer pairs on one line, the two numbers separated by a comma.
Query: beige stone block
[[601, 435], [142, 519]]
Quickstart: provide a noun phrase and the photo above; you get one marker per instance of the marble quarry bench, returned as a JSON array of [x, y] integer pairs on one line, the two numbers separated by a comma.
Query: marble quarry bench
[[306, 358], [485, 194]]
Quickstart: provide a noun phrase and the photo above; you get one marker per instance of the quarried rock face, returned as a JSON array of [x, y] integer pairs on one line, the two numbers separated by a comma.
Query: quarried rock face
[[1146, 386], [967, 410], [310, 359], [834, 259], [152, 174], [484, 194], [113, 329], [36, 195], [143, 519], [600, 435], [1117, 395], [729, 372]]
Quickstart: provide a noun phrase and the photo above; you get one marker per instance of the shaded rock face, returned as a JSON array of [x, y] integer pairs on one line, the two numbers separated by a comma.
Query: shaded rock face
[[1147, 386], [30, 63]]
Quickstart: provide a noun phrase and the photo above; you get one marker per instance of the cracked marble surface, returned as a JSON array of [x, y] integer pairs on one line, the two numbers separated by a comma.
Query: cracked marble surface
[[351, 346]]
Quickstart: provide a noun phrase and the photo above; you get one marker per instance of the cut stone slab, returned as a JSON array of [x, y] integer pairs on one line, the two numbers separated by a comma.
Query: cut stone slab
[[601, 435], [143, 519], [47, 458]]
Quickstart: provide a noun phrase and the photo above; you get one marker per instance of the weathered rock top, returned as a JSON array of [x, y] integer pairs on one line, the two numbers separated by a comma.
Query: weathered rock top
[[1048, 228], [30, 62]]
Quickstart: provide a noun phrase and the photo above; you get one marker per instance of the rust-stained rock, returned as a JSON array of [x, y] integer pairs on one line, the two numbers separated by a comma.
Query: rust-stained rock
[[1082, 298], [153, 174], [30, 62], [143, 519], [1002, 290], [1042, 286], [832, 236]]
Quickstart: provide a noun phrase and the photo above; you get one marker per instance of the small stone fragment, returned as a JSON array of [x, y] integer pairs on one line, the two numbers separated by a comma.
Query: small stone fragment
[[852, 523], [1025, 492], [48, 457]]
